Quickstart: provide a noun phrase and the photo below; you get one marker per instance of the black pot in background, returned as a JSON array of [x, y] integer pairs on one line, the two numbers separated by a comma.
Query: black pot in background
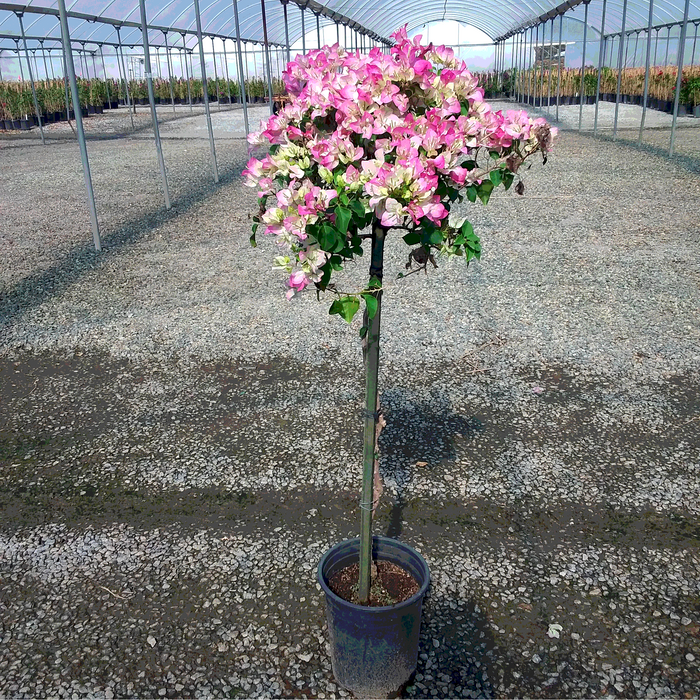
[[114, 104], [374, 651]]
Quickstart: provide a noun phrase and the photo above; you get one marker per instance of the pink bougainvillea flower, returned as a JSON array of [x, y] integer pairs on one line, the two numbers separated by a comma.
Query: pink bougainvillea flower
[[398, 134]]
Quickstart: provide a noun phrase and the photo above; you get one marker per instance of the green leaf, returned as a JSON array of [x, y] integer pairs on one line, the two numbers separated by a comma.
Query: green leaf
[[435, 237], [464, 111], [363, 331], [508, 178], [496, 177], [471, 193], [340, 242], [485, 189], [467, 232], [412, 238], [328, 238], [358, 207], [342, 219], [327, 272], [253, 242], [346, 307], [371, 303], [375, 283], [274, 148]]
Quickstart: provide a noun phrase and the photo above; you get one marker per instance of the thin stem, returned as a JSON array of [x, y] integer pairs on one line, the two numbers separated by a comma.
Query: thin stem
[[371, 357]]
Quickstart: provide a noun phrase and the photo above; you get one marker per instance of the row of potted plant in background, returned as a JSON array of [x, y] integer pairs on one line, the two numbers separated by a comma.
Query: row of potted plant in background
[[540, 86], [17, 104], [17, 110]]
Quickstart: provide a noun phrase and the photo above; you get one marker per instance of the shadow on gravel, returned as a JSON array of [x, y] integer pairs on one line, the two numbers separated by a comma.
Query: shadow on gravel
[[33, 290], [419, 435], [465, 651]]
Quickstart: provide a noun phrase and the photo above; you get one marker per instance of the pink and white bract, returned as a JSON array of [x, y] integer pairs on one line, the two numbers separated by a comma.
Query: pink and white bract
[[397, 137]]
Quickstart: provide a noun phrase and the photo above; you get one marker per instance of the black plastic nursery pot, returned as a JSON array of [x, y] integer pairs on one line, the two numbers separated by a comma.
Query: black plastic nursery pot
[[374, 651]]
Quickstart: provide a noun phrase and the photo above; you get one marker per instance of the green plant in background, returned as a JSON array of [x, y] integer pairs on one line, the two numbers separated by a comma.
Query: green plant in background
[[98, 92], [590, 83]]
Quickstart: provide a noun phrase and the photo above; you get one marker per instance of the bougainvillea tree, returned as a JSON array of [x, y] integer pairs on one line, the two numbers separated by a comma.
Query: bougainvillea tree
[[371, 143]]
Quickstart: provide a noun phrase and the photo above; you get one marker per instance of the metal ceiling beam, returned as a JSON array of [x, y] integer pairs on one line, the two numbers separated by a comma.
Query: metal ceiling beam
[[556, 12], [657, 27], [334, 16], [97, 42], [31, 9]]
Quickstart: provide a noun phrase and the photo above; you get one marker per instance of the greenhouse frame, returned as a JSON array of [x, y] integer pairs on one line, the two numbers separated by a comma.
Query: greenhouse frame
[[517, 29]]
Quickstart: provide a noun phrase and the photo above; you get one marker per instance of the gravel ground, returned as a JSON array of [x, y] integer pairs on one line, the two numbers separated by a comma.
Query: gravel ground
[[179, 444]]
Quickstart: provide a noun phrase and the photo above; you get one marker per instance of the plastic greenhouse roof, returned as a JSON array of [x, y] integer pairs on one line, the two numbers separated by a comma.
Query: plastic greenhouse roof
[[97, 20]]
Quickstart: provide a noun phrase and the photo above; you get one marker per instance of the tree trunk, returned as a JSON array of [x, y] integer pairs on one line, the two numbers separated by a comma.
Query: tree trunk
[[371, 359]]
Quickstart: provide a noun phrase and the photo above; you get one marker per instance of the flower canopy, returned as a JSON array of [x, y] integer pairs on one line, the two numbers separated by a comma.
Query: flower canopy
[[398, 138]]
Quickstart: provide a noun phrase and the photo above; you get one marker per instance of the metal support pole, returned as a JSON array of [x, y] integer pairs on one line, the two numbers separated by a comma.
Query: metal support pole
[[228, 80], [19, 60], [210, 128], [513, 59], [286, 32], [267, 57], [551, 62], [216, 75], [528, 65], [681, 52], [534, 72], [43, 56], [337, 31], [619, 67], [170, 73], [668, 45], [126, 80], [68, 57], [636, 46], [187, 74], [104, 72], [31, 79], [646, 72], [66, 87], [583, 67], [318, 30], [561, 23], [518, 52], [303, 31], [656, 45], [53, 75], [695, 41], [241, 79], [152, 101], [523, 38], [601, 51]]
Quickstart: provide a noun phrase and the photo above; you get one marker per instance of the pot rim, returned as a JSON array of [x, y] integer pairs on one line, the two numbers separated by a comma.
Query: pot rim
[[420, 593]]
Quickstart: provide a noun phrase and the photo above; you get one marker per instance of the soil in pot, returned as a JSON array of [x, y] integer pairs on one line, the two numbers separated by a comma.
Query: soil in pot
[[390, 585]]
